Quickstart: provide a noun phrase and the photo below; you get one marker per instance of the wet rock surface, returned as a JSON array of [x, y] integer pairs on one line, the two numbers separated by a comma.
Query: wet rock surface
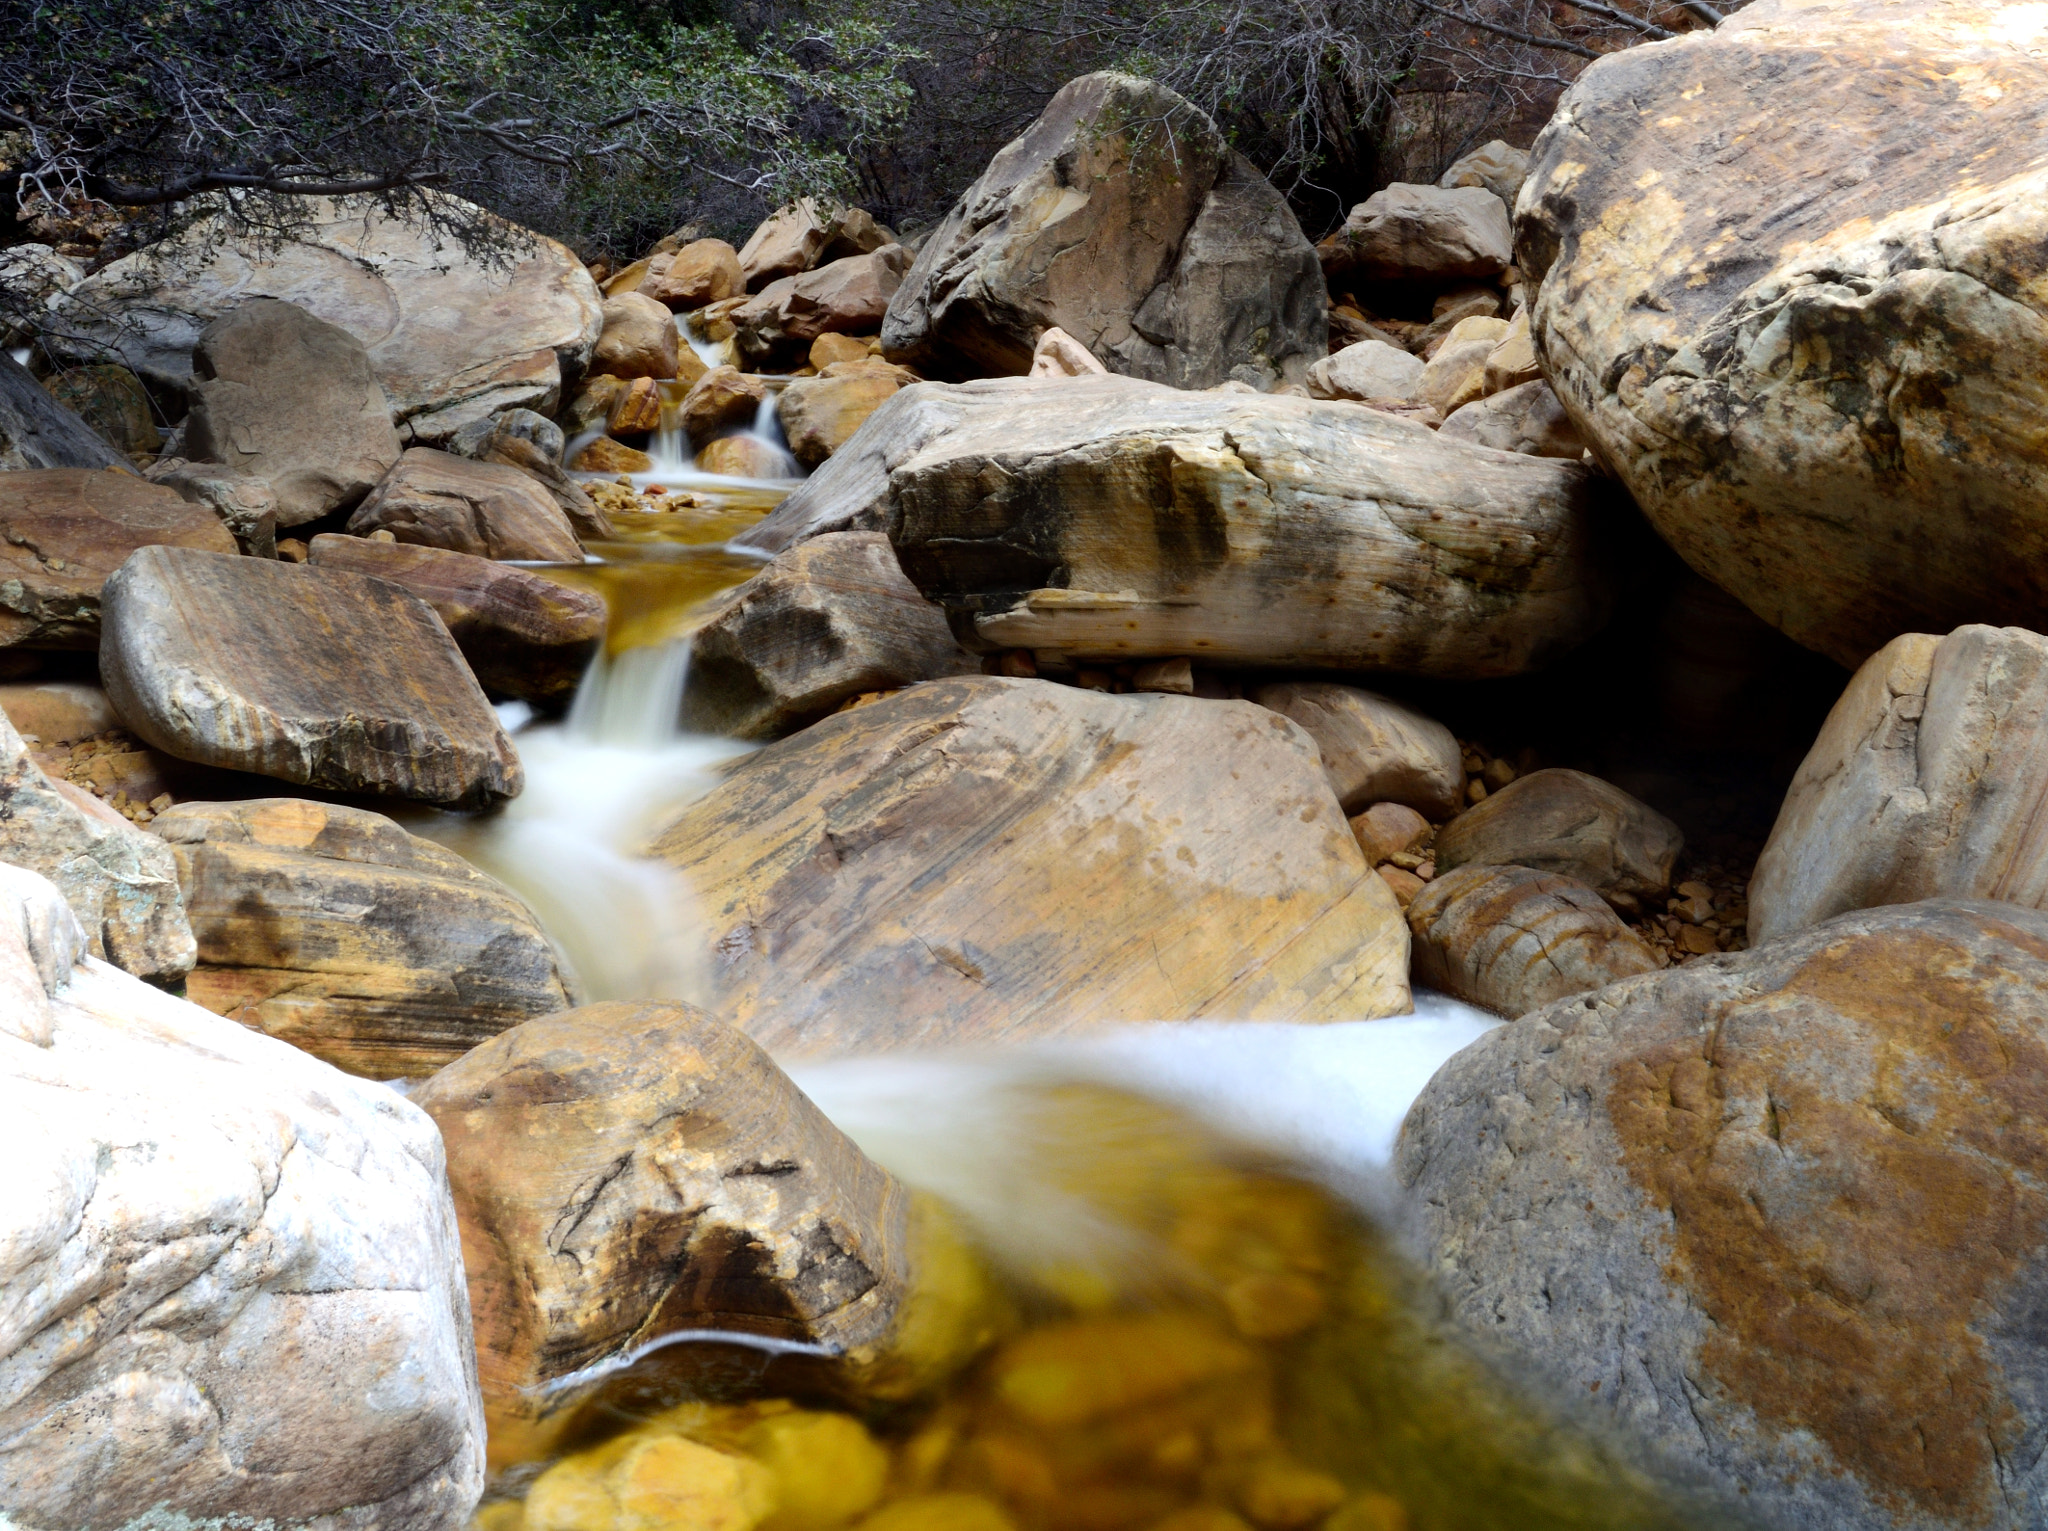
[[1781, 1212]]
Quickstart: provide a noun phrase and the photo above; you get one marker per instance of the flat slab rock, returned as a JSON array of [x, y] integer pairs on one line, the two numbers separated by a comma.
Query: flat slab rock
[[1779, 1213], [1106, 518], [313, 676], [333, 929], [1807, 324], [981, 859], [451, 339], [232, 1275], [64, 530], [630, 1169], [524, 636]]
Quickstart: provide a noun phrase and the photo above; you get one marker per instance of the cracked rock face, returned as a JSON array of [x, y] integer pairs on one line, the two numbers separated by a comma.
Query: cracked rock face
[[1926, 782], [1795, 289], [1107, 518], [230, 1280], [1122, 217], [980, 859], [629, 1170], [1784, 1213]]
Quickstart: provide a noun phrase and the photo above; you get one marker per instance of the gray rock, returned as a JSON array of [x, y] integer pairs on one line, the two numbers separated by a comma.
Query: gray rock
[[827, 620], [1779, 1213], [475, 438], [1422, 233], [1496, 165], [1569, 823], [31, 275], [38, 432], [246, 506], [1371, 369], [1512, 940], [64, 530], [1374, 749], [1107, 518], [1122, 217], [452, 339], [488, 510], [232, 1275], [281, 396], [317, 677], [1526, 418], [1926, 782], [120, 882]]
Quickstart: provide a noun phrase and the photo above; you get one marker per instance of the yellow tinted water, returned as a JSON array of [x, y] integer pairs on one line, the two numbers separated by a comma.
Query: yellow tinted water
[[1204, 1341]]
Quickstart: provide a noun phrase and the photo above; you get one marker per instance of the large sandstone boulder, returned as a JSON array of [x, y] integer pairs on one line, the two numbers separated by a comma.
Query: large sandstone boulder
[[64, 530], [1511, 939], [524, 636], [1569, 823], [1526, 418], [639, 338], [1780, 1212], [452, 338], [333, 929], [313, 676], [290, 399], [533, 444], [1422, 233], [825, 621], [1374, 750], [232, 1276], [703, 271], [121, 884], [1926, 782], [1371, 369], [819, 415], [1114, 519], [1122, 217], [488, 510], [848, 297], [980, 859], [1496, 165], [38, 432], [625, 1171], [1807, 324]]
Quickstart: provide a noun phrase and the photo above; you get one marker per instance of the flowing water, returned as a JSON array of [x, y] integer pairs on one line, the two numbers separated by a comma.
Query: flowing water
[[1180, 1238]]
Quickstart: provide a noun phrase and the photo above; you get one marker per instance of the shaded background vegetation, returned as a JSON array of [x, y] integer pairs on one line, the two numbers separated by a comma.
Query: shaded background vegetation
[[607, 123]]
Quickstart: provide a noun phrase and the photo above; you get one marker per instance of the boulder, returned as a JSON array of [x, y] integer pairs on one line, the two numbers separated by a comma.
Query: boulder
[[1374, 750], [983, 859], [828, 349], [1816, 364], [1059, 354], [290, 399], [605, 455], [57, 712], [1512, 361], [1387, 830], [451, 338], [1408, 233], [1511, 939], [1124, 218], [1371, 369], [246, 506], [639, 338], [313, 676], [1525, 419], [31, 275], [1569, 823], [722, 400], [820, 414], [589, 410], [333, 929], [636, 410], [38, 432], [1924, 783], [703, 271], [789, 240], [745, 457], [120, 882], [628, 1170], [533, 444], [848, 297], [1776, 1212], [437, 500], [1496, 165], [233, 1276], [524, 636], [110, 399], [1111, 519], [829, 619], [64, 530], [1456, 374]]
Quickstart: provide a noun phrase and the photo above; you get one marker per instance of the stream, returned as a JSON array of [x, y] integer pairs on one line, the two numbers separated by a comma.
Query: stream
[[1192, 1225]]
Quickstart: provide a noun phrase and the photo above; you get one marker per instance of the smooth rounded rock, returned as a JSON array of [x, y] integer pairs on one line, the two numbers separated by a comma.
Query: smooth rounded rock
[[1569, 823]]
